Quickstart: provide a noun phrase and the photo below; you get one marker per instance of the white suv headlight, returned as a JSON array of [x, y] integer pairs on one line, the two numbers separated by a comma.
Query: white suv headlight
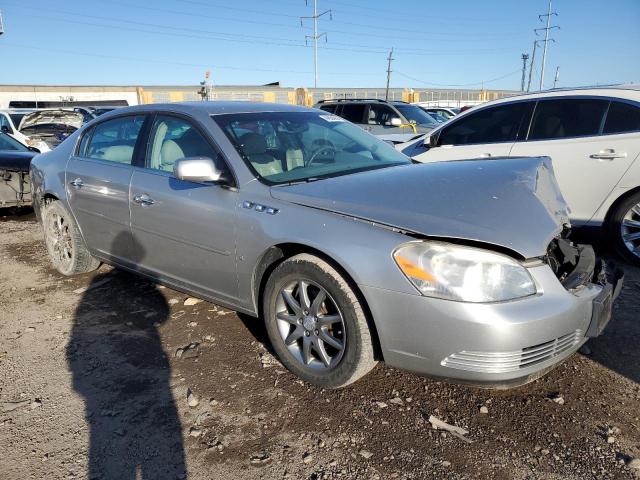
[[467, 274]]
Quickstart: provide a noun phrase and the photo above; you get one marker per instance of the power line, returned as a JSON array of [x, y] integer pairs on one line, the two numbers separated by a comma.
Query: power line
[[460, 84], [315, 36]]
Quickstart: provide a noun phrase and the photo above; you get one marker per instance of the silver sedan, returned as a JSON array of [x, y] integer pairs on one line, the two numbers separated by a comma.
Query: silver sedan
[[348, 251]]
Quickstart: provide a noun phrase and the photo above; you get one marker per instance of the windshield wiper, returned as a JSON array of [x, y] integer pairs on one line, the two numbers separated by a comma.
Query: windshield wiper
[[302, 180]]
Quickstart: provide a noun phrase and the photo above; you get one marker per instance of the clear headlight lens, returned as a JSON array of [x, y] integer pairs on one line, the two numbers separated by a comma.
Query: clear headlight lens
[[466, 274]]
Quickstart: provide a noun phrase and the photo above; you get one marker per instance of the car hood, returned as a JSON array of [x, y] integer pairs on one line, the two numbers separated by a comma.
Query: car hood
[[59, 117], [513, 203], [15, 160]]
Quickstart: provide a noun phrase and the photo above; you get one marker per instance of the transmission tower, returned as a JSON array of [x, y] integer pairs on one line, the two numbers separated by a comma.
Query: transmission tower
[[546, 40], [315, 36]]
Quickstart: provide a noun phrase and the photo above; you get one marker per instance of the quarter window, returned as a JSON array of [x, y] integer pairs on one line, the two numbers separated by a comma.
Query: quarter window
[[115, 140], [622, 118], [82, 148], [329, 108], [173, 138], [490, 125], [567, 118]]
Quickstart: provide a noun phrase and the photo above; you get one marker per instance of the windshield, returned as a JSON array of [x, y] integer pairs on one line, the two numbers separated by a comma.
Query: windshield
[[415, 114], [284, 147], [8, 143]]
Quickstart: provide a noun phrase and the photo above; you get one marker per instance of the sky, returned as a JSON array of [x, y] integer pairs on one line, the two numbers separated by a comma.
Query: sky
[[452, 43]]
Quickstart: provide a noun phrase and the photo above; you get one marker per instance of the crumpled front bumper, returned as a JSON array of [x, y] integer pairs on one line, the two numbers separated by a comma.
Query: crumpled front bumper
[[498, 344]]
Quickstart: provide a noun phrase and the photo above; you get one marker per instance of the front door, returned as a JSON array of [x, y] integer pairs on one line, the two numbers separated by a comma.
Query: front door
[[97, 183], [183, 232], [486, 133]]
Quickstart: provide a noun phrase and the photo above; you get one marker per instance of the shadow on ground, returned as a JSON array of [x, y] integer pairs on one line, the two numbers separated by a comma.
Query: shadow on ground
[[119, 367]]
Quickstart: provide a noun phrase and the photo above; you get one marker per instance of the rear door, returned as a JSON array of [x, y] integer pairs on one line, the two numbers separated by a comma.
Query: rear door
[[97, 183], [587, 164], [485, 133], [182, 231]]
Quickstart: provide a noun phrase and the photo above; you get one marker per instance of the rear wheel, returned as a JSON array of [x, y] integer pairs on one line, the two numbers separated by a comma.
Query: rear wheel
[[66, 248], [624, 229], [316, 324]]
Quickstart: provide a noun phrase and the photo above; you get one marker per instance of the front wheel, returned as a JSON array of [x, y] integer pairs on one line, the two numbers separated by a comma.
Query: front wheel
[[624, 229], [66, 248], [316, 324]]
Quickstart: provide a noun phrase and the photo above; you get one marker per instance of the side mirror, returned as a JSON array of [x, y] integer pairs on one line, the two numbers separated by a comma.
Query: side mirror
[[433, 141], [395, 122], [197, 169]]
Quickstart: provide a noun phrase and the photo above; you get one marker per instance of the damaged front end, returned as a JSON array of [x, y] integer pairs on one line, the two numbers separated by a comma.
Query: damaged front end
[[15, 188], [577, 266]]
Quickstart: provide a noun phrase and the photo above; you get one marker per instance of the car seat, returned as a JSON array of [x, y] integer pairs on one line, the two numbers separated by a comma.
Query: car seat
[[254, 147]]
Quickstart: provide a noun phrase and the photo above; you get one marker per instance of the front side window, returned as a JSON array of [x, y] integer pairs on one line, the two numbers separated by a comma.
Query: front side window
[[554, 119], [381, 115], [115, 140], [173, 138], [622, 118], [284, 147], [490, 125], [354, 112]]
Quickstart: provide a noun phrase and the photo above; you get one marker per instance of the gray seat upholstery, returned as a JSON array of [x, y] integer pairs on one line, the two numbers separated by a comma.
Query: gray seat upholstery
[[254, 147], [169, 153]]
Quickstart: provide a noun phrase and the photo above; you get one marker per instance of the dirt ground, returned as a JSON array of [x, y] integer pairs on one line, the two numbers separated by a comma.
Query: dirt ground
[[109, 376]]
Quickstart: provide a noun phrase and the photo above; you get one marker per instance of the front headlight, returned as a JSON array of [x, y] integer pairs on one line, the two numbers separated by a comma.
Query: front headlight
[[467, 274]]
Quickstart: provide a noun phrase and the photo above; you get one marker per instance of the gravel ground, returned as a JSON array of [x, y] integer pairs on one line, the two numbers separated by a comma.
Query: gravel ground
[[109, 376]]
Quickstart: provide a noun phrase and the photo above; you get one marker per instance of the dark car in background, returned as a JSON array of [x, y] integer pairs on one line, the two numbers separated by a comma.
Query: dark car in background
[[15, 158]]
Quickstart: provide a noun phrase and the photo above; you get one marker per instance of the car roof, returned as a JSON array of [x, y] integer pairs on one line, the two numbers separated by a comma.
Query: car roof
[[209, 108], [628, 92]]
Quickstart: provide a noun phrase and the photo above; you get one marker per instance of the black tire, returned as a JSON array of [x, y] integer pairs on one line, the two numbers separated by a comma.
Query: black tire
[[357, 357], [615, 225], [74, 258]]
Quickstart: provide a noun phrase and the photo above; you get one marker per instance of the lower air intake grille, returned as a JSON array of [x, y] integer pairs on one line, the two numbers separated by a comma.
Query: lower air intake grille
[[504, 362]]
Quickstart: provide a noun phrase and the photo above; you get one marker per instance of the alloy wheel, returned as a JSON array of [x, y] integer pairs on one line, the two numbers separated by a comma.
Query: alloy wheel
[[310, 324], [59, 241], [630, 230]]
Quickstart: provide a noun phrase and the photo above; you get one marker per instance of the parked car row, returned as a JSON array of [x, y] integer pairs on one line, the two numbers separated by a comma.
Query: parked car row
[[348, 250], [38, 131]]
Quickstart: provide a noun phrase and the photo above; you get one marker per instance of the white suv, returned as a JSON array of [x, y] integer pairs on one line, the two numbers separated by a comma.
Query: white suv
[[592, 136]]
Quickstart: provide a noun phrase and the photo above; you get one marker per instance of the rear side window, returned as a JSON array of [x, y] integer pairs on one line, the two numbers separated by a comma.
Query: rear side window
[[329, 108], [115, 140], [490, 125], [354, 112], [622, 118], [567, 118]]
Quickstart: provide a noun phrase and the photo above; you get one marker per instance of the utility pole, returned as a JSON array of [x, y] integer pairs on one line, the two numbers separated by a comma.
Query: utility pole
[[525, 57], [557, 77], [389, 60], [548, 15], [1, 25], [315, 36]]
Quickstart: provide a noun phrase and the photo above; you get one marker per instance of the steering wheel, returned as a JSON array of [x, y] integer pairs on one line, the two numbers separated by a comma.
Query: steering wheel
[[315, 154]]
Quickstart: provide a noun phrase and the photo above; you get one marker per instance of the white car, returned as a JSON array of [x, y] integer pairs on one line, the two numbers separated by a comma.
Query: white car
[[592, 136], [8, 127]]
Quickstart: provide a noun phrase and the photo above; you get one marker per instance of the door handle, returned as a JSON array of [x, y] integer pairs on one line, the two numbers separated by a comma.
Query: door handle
[[486, 155], [77, 183], [608, 155], [143, 199]]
